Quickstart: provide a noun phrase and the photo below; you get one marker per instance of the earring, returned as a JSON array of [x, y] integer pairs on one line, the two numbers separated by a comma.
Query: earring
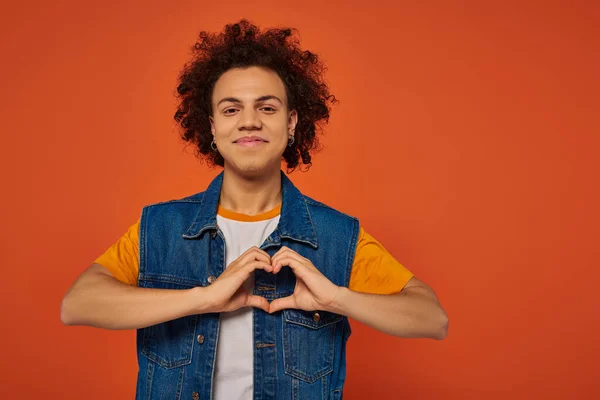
[[213, 145], [291, 141]]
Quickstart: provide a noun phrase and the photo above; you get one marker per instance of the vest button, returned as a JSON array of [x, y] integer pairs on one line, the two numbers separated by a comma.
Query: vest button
[[200, 339], [316, 317], [195, 396], [211, 279]]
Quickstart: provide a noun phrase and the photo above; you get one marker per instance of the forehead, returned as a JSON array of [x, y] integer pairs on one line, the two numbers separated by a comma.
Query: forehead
[[248, 84]]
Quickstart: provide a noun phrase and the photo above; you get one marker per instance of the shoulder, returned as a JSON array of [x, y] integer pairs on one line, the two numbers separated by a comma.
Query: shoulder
[[319, 207], [328, 214], [193, 199], [182, 209]]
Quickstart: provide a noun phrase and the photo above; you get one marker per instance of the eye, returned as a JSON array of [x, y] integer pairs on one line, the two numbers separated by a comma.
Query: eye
[[268, 109], [229, 111]]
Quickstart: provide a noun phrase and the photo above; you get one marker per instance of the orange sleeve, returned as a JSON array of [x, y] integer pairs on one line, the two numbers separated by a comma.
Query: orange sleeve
[[122, 258], [375, 270]]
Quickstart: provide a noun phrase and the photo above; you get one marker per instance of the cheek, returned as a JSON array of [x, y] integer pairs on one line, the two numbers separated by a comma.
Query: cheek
[[280, 129], [223, 127]]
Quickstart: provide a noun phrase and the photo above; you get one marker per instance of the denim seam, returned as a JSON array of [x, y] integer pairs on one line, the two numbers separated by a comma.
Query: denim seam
[[142, 242], [336, 319], [175, 201], [149, 376], [169, 279], [351, 252], [316, 244], [180, 383]]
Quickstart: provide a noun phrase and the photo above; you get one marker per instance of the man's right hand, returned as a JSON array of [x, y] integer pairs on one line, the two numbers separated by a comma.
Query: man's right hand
[[227, 292]]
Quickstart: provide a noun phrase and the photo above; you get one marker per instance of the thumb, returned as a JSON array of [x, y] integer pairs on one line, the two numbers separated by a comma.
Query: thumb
[[258, 302], [283, 303]]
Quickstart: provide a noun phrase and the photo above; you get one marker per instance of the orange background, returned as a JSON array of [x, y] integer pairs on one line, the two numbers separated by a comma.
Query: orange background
[[466, 141]]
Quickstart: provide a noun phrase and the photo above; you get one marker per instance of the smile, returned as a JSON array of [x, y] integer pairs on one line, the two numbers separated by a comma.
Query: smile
[[250, 141]]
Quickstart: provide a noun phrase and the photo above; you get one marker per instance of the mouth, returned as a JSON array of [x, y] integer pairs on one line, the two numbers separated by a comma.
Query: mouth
[[250, 141]]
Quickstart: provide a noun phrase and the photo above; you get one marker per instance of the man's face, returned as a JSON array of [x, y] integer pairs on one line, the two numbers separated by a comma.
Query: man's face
[[251, 124]]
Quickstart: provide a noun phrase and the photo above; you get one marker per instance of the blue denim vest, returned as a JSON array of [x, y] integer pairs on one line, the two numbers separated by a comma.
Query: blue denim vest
[[297, 354]]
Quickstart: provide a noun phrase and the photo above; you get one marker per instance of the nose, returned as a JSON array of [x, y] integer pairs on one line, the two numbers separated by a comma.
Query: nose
[[250, 120]]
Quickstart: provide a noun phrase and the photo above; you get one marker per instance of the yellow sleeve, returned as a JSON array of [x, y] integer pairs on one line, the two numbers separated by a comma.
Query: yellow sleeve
[[375, 270], [122, 258]]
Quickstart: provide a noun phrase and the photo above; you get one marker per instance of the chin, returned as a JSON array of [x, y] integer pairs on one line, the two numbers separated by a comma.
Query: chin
[[252, 169]]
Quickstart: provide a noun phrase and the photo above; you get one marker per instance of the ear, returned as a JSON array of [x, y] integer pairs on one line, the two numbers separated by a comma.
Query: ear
[[212, 125], [292, 120]]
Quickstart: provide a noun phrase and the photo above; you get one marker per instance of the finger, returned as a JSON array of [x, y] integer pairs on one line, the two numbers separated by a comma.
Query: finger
[[243, 272], [283, 250], [288, 253], [282, 303], [297, 266], [233, 302], [249, 254], [254, 253], [254, 265], [257, 302]]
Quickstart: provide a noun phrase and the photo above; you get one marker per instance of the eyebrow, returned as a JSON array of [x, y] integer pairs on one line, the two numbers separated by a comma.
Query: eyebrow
[[262, 98]]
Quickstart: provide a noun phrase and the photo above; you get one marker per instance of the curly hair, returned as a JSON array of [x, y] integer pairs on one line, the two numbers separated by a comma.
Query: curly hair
[[241, 45]]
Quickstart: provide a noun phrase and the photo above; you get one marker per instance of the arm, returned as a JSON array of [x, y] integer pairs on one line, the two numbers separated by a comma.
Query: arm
[[414, 312], [411, 313], [98, 299]]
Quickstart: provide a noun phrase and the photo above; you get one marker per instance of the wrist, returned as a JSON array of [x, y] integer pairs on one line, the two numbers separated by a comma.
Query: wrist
[[199, 300], [339, 301]]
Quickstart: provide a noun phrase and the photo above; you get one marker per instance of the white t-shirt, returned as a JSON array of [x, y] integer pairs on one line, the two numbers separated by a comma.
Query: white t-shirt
[[234, 374]]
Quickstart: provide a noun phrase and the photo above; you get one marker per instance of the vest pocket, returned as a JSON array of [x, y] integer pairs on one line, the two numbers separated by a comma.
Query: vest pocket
[[308, 343], [169, 344]]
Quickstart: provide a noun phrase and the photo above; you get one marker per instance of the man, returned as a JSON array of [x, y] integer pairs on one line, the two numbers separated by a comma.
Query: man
[[244, 290]]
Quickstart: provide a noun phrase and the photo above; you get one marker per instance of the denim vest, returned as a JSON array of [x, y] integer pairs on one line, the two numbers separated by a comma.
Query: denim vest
[[297, 354]]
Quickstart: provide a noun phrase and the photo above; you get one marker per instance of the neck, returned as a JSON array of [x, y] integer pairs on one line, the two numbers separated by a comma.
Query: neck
[[250, 195]]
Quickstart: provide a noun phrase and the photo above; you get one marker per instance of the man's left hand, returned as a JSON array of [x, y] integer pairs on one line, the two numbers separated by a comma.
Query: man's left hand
[[313, 290]]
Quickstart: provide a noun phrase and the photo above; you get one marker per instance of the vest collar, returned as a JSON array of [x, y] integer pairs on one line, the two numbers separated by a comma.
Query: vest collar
[[294, 223]]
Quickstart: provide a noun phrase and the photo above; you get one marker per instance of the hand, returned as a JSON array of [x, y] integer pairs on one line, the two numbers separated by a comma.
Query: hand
[[227, 292], [313, 290]]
